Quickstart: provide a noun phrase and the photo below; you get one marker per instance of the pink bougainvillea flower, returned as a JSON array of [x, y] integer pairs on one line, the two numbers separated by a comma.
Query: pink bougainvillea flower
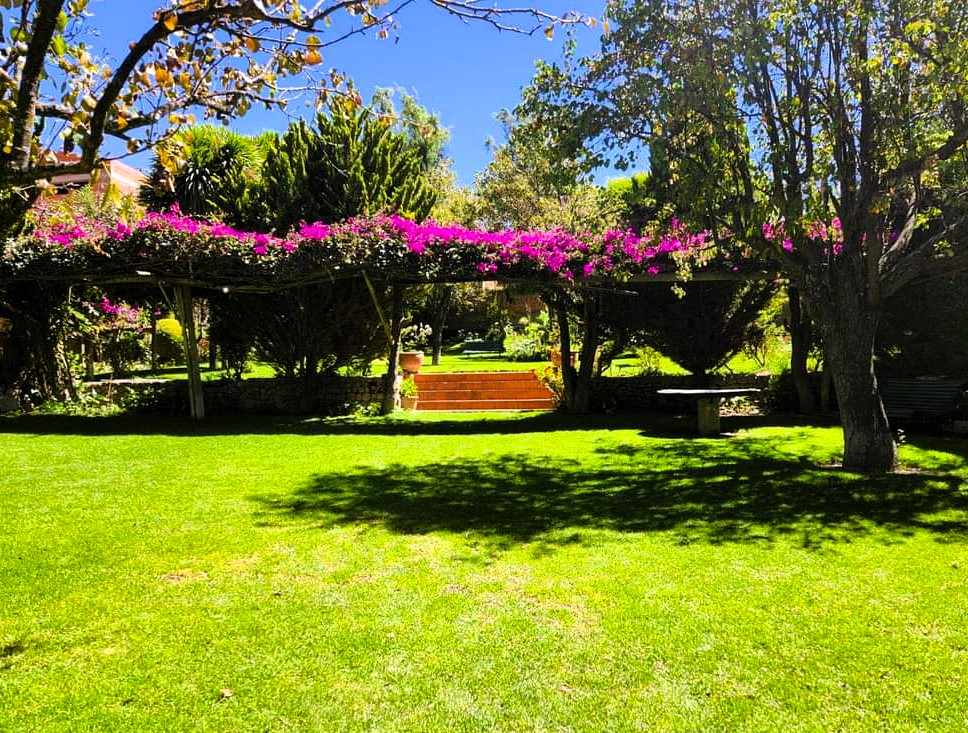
[[317, 230]]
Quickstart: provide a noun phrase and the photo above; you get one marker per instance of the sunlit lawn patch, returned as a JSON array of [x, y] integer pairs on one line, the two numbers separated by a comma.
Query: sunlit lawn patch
[[449, 573]]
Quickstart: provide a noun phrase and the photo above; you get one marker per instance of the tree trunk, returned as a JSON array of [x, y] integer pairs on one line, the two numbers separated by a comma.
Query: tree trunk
[[442, 301], [568, 375], [87, 352], [586, 360], [826, 387], [438, 347], [153, 347], [849, 330], [801, 333]]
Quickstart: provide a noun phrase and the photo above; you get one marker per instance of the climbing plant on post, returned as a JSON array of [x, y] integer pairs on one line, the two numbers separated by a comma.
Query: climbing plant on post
[[186, 315]]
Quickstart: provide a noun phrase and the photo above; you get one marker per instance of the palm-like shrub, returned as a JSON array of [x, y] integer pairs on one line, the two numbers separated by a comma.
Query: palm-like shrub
[[206, 170]]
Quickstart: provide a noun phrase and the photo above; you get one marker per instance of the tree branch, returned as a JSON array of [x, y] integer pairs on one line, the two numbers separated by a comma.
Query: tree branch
[[44, 26], [949, 147]]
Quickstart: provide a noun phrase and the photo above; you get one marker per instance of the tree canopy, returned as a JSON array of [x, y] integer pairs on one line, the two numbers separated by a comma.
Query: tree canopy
[[214, 58]]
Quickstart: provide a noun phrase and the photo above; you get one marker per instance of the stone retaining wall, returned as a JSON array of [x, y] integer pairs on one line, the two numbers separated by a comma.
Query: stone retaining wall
[[325, 395]]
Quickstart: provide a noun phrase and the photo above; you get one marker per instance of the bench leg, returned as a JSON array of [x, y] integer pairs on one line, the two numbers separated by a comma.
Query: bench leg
[[707, 417]]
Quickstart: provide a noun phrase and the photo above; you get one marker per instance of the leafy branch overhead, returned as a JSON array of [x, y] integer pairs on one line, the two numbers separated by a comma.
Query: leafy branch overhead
[[213, 58]]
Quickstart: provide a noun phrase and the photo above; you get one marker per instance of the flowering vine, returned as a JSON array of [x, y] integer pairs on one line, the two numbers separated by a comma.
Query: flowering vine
[[829, 236], [171, 242]]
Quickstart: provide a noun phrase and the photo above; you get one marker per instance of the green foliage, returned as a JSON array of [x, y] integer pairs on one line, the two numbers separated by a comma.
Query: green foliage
[[930, 339], [303, 331], [700, 327], [13, 212], [423, 128], [530, 340], [169, 341], [416, 337], [408, 388], [540, 178], [213, 170], [352, 163]]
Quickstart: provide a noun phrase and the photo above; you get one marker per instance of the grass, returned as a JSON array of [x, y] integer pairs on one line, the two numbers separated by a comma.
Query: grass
[[458, 573]]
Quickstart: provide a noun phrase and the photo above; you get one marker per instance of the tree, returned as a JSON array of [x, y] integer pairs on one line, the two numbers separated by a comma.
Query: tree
[[851, 108], [540, 178], [213, 57], [211, 176], [930, 340], [701, 328], [353, 163], [217, 57]]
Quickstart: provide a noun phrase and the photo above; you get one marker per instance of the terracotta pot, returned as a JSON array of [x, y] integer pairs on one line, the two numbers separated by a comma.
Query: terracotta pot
[[411, 361], [409, 403]]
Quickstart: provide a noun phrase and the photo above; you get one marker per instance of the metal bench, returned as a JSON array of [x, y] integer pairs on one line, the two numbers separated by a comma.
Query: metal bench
[[921, 400]]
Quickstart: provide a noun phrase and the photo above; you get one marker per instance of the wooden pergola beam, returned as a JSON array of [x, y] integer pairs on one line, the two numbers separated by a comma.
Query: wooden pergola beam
[[391, 386], [278, 285]]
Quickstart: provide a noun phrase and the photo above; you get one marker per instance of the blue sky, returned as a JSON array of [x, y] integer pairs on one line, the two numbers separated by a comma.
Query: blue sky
[[463, 72]]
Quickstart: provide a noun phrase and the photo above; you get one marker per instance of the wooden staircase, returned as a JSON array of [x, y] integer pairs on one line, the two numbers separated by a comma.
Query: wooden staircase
[[483, 391]]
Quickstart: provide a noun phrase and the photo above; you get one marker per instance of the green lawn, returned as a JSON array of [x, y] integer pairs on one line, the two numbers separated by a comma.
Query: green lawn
[[523, 573]]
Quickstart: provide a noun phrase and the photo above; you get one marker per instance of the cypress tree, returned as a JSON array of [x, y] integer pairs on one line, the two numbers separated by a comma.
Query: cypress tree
[[353, 163]]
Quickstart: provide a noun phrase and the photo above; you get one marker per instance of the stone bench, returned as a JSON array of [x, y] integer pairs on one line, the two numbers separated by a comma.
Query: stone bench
[[707, 404]]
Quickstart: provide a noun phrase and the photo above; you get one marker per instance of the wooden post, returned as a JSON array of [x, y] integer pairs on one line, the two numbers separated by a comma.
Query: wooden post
[[391, 384], [154, 342], [707, 415], [186, 314]]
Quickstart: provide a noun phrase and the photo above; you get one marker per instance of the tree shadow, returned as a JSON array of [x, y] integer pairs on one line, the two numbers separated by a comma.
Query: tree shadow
[[652, 424], [701, 491]]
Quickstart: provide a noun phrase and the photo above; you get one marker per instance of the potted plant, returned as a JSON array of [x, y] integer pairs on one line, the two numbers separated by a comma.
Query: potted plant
[[413, 337], [408, 394], [411, 361]]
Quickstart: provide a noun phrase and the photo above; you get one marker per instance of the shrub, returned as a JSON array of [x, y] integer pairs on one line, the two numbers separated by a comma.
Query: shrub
[[169, 341], [530, 341]]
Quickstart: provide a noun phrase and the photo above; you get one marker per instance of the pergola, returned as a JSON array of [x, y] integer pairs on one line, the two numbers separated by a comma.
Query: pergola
[[192, 257]]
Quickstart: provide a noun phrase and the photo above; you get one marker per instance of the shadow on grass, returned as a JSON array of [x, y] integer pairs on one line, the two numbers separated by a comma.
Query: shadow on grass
[[425, 424], [700, 491]]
